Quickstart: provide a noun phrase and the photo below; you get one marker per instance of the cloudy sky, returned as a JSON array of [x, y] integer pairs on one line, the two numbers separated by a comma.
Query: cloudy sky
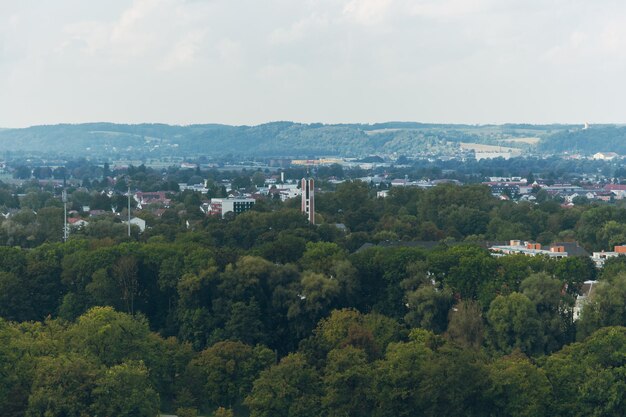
[[253, 61]]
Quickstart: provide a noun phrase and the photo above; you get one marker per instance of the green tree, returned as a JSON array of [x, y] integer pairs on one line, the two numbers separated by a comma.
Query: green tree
[[455, 383], [245, 323], [466, 325], [15, 298], [468, 270], [125, 270], [428, 308], [62, 386], [607, 306], [104, 290], [258, 179], [224, 412], [290, 389], [514, 324], [589, 378], [316, 296], [371, 333], [125, 391], [15, 371], [224, 372], [519, 388], [347, 383], [319, 256], [399, 376], [553, 308], [110, 336]]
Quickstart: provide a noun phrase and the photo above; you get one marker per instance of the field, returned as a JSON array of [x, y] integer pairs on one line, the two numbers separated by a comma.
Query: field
[[480, 147], [526, 141]]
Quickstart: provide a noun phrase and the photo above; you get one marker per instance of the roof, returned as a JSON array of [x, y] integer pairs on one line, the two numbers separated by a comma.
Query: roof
[[587, 288], [572, 248], [615, 187], [426, 244]]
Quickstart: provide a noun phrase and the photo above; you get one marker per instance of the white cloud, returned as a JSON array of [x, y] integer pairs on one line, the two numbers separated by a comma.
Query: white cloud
[[325, 60], [298, 30], [439, 9], [368, 12], [286, 71], [613, 38], [231, 52], [130, 35], [184, 52]]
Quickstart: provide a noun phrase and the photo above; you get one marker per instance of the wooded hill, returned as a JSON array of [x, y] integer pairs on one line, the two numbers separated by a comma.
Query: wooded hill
[[587, 141], [271, 139]]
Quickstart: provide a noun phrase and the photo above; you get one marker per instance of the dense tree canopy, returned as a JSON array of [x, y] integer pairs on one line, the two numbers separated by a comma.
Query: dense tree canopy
[[268, 315]]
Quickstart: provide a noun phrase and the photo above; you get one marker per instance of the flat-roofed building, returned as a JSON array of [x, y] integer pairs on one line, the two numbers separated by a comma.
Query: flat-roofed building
[[528, 249], [221, 206]]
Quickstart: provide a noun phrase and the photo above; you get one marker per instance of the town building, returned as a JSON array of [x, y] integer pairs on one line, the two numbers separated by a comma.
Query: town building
[[77, 223], [583, 298], [507, 185], [619, 190], [136, 221], [529, 249], [222, 206], [200, 188], [285, 191], [156, 198], [599, 258], [605, 156]]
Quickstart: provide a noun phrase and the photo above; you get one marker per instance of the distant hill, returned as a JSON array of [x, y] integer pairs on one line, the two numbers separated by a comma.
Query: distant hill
[[286, 139], [599, 138]]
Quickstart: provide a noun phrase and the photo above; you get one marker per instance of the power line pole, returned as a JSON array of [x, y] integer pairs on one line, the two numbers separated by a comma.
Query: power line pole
[[64, 198], [128, 209]]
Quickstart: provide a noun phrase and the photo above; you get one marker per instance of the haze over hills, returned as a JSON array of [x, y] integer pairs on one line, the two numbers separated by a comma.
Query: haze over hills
[[289, 139]]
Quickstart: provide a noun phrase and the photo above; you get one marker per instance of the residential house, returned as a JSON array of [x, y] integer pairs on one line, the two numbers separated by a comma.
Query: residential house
[[155, 197], [583, 298], [77, 223], [136, 221]]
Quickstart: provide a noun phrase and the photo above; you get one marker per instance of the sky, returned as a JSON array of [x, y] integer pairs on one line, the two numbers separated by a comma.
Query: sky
[[331, 61]]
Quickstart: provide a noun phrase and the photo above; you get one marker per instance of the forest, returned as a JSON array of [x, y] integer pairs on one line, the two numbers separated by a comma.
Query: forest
[[106, 140], [588, 141], [299, 140], [405, 312]]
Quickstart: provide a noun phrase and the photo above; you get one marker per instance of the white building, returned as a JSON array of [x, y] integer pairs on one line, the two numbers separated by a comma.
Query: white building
[[599, 258], [586, 293], [221, 206], [136, 221], [200, 188], [77, 223], [287, 191], [528, 249], [605, 156]]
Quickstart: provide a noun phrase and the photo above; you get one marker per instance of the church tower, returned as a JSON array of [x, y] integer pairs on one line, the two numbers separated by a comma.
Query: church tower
[[308, 199]]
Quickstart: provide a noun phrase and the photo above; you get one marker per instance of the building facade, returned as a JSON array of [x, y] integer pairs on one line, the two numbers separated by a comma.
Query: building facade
[[221, 206]]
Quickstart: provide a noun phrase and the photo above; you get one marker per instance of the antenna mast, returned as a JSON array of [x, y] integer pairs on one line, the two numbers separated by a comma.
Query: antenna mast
[[129, 209], [64, 199]]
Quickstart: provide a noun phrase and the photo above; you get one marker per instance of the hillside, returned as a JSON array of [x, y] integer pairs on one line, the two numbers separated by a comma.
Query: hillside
[[607, 138], [272, 139]]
